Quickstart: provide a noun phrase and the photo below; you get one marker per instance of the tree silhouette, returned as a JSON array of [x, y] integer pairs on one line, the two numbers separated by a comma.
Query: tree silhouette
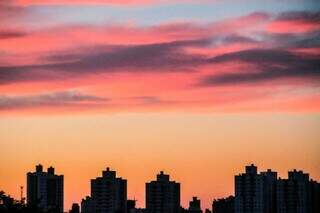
[[10, 205]]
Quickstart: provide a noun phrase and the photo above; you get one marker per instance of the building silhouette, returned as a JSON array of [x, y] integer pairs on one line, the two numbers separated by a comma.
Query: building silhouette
[[255, 193], [195, 206], [297, 194], [75, 208], [315, 195], [269, 179], [108, 194], [224, 205], [45, 189], [131, 207], [87, 205], [162, 195], [264, 193]]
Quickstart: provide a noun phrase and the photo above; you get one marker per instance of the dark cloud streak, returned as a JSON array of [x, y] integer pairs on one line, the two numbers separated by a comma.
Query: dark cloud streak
[[268, 65], [8, 34], [159, 57], [306, 16]]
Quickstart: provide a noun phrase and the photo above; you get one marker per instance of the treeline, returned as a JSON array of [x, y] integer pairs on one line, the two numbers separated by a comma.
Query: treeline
[[10, 205]]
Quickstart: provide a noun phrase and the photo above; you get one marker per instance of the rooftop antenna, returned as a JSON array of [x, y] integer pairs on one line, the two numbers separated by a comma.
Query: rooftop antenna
[[21, 193]]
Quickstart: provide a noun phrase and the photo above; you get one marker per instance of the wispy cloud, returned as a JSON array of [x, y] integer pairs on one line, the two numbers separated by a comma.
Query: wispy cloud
[[305, 16], [187, 64], [64, 98], [96, 2], [160, 57], [295, 22], [266, 65], [7, 34]]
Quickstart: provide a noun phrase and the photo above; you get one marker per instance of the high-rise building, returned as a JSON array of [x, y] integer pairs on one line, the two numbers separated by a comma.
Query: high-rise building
[[297, 194], [224, 205], [109, 193], [163, 195], [255, 193], [195, 206], [315, 196], [264, 193], [269, 179], [45, 189], [87, 205]]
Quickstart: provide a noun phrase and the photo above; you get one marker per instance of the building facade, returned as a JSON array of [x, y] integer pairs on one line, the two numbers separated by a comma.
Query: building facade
[[87, 205], [264, 193], [195, 206], [255, 193], [162, 195], [109, 193], [224, 205], [75, 208], [297, 194], [45, 189], [315, 196]]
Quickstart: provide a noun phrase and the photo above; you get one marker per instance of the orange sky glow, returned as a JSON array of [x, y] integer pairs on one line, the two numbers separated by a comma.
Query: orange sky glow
[[146, 85]]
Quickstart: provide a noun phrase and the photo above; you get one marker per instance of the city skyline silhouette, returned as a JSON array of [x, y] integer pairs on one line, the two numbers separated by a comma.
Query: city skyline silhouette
[[51, 197], [195, 88]]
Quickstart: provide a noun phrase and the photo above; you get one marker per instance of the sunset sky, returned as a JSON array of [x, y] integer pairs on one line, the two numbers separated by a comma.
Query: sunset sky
[[197, 88]]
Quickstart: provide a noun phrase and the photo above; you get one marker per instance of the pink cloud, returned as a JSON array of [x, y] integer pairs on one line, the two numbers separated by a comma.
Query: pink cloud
[[295, 22], [96, 2], [61, 38], [292, 26], [159, 68]]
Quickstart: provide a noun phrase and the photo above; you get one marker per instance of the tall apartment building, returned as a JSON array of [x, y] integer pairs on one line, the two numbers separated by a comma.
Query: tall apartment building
[[297, 194], [162, 195], [269, 179], [45, 189], [264, 193], [255, 193], [109, 193], [315, 195]]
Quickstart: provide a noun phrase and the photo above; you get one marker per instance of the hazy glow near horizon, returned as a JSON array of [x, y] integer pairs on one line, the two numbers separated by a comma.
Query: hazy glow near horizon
[[202, 151], [195, 88]]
